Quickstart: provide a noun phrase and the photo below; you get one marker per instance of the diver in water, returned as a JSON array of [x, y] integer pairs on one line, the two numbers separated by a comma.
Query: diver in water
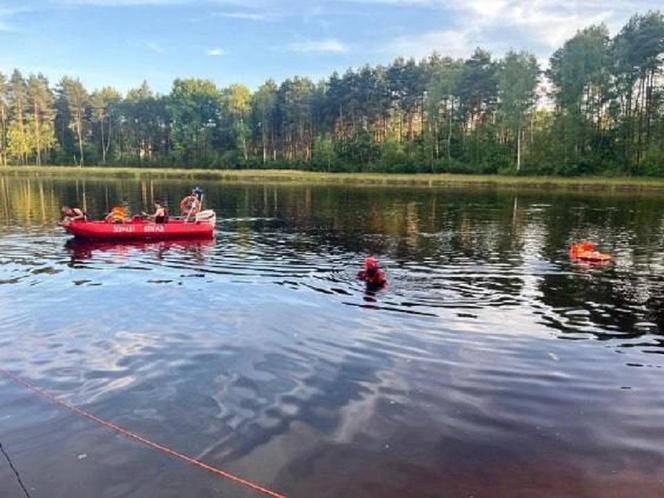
[[372, 274]]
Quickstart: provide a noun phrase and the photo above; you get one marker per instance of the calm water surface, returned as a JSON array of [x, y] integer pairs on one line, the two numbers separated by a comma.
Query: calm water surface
[[491, 367]]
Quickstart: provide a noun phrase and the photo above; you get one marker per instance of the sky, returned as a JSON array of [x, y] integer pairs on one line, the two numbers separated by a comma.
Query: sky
[[123, 42]]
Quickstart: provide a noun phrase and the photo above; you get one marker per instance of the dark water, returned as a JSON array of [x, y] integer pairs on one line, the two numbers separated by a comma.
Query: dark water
[[491, 367]]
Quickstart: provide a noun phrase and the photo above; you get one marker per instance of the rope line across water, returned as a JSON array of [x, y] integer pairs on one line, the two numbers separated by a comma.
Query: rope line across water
[[137, 437]]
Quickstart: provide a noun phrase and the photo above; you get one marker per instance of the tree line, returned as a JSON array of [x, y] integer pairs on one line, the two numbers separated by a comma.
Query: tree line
[[597, 109]]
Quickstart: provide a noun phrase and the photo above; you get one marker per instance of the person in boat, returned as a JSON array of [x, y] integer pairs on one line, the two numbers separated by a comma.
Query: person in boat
[[191, 204], [117, 215], [73, 214], [160, 214], [372, 274], [198, 193]]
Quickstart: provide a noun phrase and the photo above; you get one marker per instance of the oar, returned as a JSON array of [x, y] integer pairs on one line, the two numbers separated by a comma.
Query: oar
[[192, 208], [186, 219]]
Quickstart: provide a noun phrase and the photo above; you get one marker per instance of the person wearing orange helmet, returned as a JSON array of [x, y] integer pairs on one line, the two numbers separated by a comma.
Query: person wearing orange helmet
[[372, 274]]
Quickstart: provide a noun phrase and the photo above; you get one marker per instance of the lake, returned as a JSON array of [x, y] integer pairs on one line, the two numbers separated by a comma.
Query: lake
[[492, 365]]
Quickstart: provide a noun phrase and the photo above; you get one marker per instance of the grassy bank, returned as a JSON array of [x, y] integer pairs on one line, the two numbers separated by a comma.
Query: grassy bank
[[295, 176]]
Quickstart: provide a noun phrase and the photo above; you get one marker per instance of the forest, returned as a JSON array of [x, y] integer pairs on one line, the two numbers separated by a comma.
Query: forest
[[597, 109]]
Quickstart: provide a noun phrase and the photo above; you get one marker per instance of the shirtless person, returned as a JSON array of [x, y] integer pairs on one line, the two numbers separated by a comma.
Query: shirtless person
[[160, 213], [72, 214]]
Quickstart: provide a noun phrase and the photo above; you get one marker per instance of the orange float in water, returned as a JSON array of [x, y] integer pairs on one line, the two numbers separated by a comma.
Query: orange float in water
[[587, 252]]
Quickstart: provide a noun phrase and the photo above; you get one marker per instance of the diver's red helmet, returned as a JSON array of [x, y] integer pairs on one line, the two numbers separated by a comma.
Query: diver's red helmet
[[371, 263]]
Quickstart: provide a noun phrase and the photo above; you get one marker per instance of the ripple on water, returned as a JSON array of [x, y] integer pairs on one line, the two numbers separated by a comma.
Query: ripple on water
[[260, 350]]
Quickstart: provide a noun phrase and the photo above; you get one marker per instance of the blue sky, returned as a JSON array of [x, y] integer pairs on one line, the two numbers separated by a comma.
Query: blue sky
[[123, 42]]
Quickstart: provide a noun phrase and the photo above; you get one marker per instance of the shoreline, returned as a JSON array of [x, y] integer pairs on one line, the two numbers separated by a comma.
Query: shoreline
[[369, 179]]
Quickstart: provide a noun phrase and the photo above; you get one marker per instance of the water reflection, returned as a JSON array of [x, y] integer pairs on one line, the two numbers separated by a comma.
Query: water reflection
[[262, 353], [120, 251], [457, 248]]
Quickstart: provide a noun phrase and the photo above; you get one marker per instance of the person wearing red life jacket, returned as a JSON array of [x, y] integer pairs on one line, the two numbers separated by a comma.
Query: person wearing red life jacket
[[372, 274]]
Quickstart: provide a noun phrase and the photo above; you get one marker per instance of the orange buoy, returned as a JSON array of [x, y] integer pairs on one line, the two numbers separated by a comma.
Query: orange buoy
[[190, 205], [586, 251]]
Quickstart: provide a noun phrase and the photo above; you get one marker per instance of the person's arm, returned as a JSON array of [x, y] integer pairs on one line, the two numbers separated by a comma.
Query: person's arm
[[153, 216], [79, 215]]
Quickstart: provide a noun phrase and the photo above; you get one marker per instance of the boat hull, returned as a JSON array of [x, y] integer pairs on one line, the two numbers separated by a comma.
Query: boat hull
[[140, 230]]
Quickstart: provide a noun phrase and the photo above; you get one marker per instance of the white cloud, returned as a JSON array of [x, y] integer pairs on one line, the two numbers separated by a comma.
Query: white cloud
[[244, 16], [5, 14], [133, 3], [405, 3], [540, 26], [453, 42], [215, 52], [547, 22], [154, 47], [120, 3], [323, 46]]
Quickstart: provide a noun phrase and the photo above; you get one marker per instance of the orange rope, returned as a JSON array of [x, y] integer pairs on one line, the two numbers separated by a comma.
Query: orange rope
[[132, 435]]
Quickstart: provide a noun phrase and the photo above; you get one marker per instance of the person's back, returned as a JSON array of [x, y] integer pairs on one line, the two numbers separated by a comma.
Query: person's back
[[73, 214], [160, 214]]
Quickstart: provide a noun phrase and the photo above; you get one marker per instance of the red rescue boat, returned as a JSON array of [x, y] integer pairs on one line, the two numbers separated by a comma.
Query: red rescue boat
[[202, 226]]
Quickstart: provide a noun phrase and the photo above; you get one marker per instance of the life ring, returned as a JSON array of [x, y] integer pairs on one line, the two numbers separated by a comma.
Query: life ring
[[190, 205]]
